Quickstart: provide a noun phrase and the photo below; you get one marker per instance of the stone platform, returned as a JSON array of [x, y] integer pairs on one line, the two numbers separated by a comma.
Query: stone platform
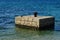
[[40, 22]]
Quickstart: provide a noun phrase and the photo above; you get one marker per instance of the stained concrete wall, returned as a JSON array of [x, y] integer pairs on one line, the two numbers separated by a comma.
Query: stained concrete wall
[[32, 21], [27, 20]]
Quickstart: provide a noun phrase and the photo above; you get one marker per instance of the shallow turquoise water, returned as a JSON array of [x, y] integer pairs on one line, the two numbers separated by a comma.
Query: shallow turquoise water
[[25, 34], [9, 9]]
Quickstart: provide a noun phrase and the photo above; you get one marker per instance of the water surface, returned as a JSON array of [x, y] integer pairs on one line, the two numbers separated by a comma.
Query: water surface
[[10, 9]]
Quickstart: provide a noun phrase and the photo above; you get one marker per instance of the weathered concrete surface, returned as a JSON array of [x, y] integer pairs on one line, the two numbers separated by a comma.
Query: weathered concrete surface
[[37, 22]]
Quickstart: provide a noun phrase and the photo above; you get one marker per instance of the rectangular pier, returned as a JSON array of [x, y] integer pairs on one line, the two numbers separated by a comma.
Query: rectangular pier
[[39, 22]]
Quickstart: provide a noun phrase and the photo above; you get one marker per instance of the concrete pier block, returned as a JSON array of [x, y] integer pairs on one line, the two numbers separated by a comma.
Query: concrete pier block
[[41, 22]]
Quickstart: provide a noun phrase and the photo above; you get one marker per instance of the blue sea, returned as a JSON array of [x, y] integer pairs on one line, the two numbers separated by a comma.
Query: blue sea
[[9, 9]]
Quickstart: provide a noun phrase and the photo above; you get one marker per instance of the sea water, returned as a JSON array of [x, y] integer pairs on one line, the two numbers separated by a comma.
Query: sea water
[[9, 9]]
